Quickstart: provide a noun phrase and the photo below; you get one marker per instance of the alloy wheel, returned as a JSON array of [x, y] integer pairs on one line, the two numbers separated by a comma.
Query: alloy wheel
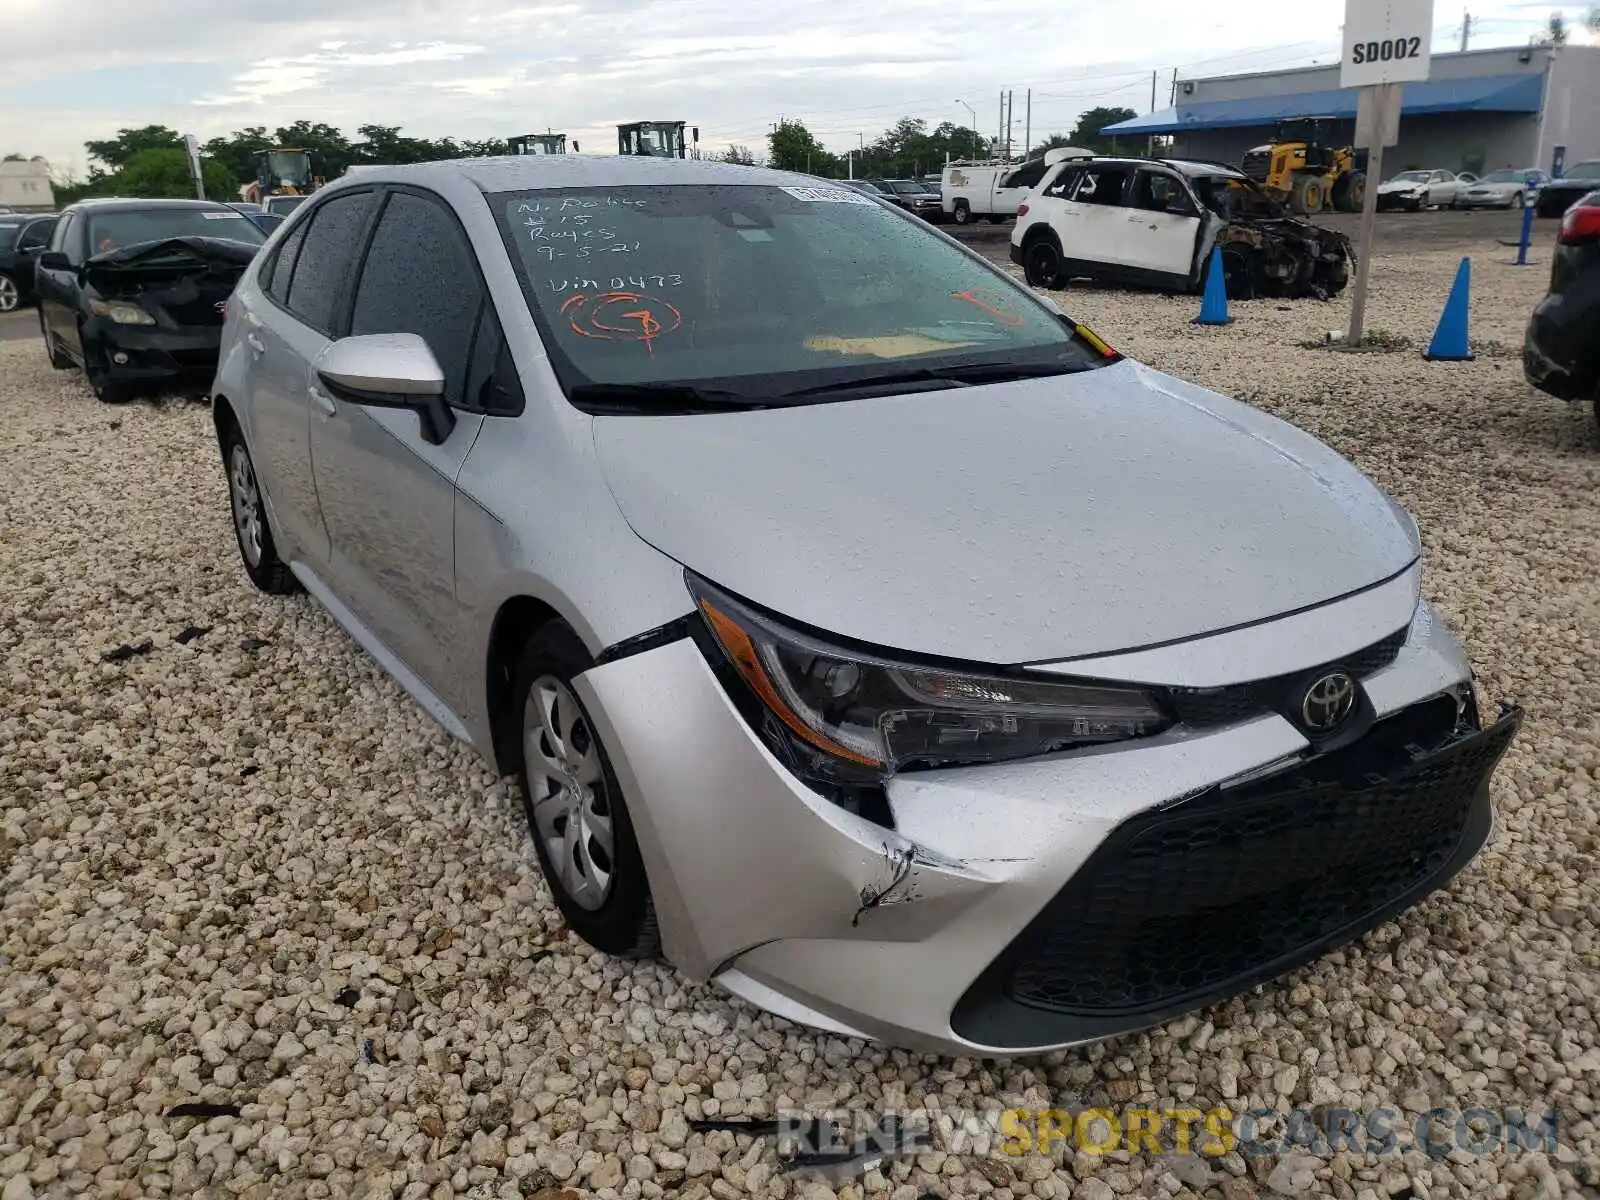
[[572, 815], [10, 297], [246, 497]]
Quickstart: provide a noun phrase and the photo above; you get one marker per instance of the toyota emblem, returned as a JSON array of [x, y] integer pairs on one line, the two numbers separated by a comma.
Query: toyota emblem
[[1328, 702]]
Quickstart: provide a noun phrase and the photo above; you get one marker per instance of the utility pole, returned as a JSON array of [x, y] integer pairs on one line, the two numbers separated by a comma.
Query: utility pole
[[1011, 108], [1466, 29], [1000, 130], [1150, 142], [1027, 124], [1173, 99]]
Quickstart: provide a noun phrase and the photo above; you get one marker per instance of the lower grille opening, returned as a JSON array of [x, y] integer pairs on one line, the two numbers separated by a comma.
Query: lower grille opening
[[1195, 902]]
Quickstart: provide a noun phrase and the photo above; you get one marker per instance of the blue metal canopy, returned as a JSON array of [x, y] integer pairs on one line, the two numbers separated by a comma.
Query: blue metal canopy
[[1490, 93]]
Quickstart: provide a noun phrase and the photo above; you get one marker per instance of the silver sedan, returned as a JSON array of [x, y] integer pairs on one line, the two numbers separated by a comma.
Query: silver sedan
[[865, 635]]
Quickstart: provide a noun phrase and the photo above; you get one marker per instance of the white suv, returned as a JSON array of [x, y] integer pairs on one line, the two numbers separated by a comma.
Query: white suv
[[1153, 222]]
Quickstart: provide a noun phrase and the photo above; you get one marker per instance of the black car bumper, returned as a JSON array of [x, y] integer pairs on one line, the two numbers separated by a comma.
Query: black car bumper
[[1389, 201], [1560, 355], [1189, 905], [150, 354]]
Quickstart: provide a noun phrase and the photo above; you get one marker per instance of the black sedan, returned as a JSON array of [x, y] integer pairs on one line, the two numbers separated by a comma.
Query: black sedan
[[1555, 197], [1561, 350], [134, 291], [22, 239]]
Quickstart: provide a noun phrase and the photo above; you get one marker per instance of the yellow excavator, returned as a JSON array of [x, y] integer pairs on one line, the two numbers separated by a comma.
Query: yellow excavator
[[1301, 169], [281, 171], [655, 139]]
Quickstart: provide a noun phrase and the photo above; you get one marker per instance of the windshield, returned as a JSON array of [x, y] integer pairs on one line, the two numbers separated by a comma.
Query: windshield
[[1584, 170], [767, 290], [1231, 196], [1411, 177], [1502, 177], [284, 204], [128, 227], [907, 187], [289, 166]]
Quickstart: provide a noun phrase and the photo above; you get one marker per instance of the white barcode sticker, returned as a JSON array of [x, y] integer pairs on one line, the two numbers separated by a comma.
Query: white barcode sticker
[[828, 195]]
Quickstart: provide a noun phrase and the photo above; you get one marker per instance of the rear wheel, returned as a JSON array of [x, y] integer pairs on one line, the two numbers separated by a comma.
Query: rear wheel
[[1043, 265], [963, 213], [576, 814], [256, 547], [1518, 200], [10, 294]]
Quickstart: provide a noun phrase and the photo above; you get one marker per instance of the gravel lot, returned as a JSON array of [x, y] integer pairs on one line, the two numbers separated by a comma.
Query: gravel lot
[[246, 869]]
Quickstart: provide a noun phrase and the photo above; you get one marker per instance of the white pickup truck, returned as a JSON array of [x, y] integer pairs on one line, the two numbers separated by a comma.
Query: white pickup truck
[[995, 189]]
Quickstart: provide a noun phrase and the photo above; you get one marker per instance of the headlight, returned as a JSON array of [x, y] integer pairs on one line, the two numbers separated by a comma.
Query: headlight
[[121, 312], [846, 716]]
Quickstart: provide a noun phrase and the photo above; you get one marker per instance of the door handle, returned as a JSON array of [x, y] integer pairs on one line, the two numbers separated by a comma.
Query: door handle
[[322, 401], [255, 343]]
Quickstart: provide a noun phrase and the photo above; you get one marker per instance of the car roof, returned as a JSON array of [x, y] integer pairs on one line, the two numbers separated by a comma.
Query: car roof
[[1184, 166], [130, 204], [524, 172]]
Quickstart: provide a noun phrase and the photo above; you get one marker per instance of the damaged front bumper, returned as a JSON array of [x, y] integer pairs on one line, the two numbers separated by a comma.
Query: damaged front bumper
[[1022, 907], [1286, 258]]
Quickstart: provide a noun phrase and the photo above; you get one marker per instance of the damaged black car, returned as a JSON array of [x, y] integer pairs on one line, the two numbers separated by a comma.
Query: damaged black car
[[135, 291], [1153, 223]]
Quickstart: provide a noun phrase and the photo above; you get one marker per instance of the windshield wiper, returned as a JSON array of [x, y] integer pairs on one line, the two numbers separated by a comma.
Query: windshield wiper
[[965, 375], [660, 399]]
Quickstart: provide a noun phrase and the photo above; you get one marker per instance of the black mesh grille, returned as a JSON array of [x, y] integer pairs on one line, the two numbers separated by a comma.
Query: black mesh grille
[[1256, 164], [1178, 904], [1242, 701]]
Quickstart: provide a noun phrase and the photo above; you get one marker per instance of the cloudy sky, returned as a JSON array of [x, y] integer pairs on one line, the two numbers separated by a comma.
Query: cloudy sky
[[78, 69]]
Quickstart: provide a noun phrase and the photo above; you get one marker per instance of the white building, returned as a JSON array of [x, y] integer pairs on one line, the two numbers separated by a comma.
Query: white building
[[25, 186]]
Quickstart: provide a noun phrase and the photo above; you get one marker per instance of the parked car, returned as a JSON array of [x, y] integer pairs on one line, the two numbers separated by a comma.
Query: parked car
[[994, 190], [913, 196], [281, 206], [133, 291], [1417, 190], [1143, 222], [868, 188], [700, 535], [1558, 195], [22, 239], [1561, 349], [1504, 189]]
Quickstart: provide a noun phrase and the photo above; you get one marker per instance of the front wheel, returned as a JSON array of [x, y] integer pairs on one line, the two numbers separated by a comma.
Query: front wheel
[[1043, 266], [581, 830], [256, 547], [1517, 201], [10, 294]]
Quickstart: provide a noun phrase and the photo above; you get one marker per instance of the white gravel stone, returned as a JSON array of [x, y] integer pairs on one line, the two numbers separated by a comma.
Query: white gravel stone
[[203, 847]]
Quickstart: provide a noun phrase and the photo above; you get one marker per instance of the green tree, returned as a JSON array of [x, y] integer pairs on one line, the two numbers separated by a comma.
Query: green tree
[[15, 158], [1087, 132], [330, 151], [116, 152], [792, 147], [163, 171], [237, 151], [1555, 32], [740, 155]]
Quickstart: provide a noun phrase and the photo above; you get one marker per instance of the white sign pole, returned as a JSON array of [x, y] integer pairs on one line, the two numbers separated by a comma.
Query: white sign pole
[[1377, 126], [192, 145], [1386, 43]]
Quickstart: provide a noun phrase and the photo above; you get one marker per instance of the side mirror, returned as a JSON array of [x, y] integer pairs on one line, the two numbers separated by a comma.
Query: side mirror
[[389, 370], [54, 260]]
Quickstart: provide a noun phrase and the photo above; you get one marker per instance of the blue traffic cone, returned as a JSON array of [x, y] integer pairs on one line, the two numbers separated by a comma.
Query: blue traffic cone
[[1214, 304], [1450, 338]]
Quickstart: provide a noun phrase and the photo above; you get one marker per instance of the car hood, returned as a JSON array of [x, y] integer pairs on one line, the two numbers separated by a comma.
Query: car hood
[[1020, 522], [1400, 185]]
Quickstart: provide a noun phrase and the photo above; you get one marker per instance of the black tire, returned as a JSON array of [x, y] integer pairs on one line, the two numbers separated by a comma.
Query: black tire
[[1042, 264], [622, 922], [258, 552], [58, 357], [10, 293], [105, 389], [1519, 201], [963, 213]]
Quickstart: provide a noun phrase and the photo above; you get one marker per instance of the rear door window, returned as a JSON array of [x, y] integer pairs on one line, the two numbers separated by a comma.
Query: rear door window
[[275, 279], [1102, 185], [421, 276], [36, 236], [327, 259]]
